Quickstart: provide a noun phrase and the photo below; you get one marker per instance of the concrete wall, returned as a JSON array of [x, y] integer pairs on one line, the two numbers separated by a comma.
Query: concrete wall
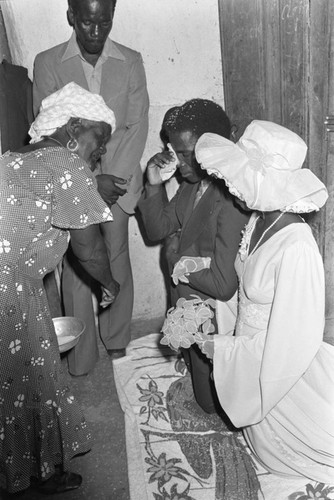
[[180, 44]]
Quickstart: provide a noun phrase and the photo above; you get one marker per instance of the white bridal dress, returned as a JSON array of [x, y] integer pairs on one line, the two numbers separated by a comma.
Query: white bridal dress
[[275, 377]]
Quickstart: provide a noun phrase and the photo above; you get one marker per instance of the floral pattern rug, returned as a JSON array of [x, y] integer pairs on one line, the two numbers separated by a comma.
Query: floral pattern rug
[[178, 452]]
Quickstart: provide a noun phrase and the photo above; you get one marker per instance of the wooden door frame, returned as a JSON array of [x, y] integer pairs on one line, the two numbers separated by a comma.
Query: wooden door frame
[[320, 81], [269, 37], [281, 78], [264, 76], [328, 212]]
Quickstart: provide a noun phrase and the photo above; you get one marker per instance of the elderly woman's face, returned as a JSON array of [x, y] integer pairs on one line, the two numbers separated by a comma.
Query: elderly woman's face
[[92, 141], [183, 144]]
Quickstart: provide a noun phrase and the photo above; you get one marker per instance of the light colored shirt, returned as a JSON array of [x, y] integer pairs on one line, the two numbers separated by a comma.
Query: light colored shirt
[[92, 73], [203, 186]]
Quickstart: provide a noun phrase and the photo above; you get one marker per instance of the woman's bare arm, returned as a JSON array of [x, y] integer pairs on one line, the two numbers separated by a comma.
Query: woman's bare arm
[[88, 246]]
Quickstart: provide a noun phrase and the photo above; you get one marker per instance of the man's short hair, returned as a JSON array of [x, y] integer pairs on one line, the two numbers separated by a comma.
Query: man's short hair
[[73, 4], [198, 116]]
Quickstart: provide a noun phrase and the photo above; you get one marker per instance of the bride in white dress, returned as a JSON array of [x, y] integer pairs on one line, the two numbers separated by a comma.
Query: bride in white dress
[[275, 375]]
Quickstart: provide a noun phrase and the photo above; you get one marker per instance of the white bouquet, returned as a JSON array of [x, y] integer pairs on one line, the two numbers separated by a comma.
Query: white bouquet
[[188, 322]]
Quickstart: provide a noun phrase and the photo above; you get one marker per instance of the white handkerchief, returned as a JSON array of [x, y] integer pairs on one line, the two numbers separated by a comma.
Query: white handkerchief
[[167, 172]]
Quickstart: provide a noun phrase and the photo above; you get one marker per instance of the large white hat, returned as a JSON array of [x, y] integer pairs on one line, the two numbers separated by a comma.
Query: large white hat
[[264, 168]]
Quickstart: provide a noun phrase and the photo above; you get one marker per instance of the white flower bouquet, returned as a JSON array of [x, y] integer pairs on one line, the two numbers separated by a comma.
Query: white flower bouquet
[[188, 322]]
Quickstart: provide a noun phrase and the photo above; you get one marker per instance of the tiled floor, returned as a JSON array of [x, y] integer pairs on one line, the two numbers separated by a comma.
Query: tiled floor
[[104, 469]]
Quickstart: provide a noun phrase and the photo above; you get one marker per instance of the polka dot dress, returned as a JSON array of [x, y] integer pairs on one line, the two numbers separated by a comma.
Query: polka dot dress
[[43, 194]]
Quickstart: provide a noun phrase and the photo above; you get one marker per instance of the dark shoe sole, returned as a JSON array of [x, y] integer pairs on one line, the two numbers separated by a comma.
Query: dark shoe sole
[[116, 353], [60, 483]]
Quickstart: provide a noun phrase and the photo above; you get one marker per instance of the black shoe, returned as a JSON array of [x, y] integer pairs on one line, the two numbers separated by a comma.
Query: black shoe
[[60, 482], [116, 353]]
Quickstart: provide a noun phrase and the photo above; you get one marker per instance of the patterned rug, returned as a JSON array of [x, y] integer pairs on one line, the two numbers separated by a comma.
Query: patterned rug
[[176, 451]]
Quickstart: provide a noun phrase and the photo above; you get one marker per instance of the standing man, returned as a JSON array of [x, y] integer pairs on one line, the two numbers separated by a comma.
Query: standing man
[[95, 62]]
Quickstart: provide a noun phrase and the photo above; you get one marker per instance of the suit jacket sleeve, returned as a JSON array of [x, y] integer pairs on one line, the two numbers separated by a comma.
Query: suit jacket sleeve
[[44, 82], [159, 214], [131, 145], [220, 280]]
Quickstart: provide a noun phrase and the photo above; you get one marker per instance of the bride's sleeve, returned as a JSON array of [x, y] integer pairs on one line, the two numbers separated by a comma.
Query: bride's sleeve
[[296, 323]]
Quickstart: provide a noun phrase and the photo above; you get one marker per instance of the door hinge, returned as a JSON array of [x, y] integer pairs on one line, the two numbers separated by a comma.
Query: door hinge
[[329, 122]]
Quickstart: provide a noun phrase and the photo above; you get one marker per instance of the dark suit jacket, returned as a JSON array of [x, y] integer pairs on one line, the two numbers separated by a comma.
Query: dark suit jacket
[[212, 229], [15, 106]]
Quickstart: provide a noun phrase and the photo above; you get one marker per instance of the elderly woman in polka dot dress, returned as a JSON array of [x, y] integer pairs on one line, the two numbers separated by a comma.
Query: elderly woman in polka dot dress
[[48, 197]]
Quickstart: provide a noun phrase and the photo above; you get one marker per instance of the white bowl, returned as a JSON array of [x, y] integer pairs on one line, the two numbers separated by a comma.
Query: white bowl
[[68, 331]]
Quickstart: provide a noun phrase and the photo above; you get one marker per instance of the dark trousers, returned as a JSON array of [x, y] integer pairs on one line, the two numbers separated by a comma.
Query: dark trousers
[[200, 368]]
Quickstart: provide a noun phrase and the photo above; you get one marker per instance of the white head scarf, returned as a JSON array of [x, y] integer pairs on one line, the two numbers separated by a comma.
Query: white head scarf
[[264, 168], [71, 101]]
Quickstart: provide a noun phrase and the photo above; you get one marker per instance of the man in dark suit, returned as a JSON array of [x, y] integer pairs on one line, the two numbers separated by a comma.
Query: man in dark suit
[[200, 221], [95, 62]]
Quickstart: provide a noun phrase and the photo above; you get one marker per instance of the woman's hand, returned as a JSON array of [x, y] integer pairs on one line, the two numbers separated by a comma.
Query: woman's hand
[[187, 265], [108, 189], [109, 294], [207, 347], [156, 164]]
